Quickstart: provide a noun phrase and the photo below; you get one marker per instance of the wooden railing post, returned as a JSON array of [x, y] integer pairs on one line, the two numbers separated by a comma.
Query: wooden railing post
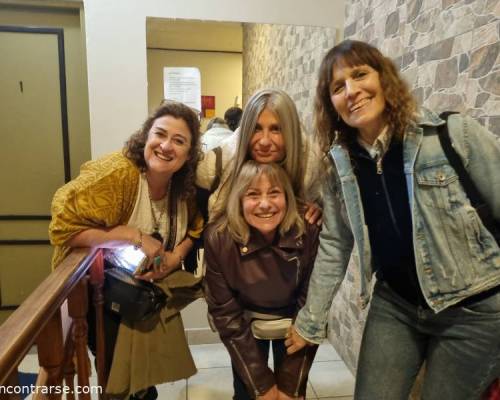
[[51, 353], [69, 366], [97, 282], [38, 320], [77, 310]]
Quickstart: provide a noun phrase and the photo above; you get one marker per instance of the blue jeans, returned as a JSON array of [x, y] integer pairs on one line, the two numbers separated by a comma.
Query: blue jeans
[[461, 347], [279, 351]]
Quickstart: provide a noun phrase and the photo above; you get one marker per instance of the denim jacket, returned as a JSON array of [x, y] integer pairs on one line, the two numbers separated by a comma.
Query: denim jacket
[[456, 256]]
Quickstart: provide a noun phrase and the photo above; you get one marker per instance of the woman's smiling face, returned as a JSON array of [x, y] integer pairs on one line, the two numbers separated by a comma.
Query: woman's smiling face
[[264, 206], [167, 146], [267, 143], [357, 95]]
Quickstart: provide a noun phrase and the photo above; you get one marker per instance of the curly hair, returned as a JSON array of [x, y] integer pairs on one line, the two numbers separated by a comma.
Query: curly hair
[[400, 104], [183, 181]]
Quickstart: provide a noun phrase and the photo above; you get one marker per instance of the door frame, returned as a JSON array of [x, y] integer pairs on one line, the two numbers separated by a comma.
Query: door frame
[[59, 32]]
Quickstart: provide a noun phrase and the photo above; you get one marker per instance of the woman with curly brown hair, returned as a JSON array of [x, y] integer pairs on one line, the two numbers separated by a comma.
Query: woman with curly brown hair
[[392, 192], [143, 197]]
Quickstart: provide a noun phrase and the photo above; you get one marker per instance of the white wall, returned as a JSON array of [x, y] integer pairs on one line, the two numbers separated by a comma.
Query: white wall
[[116, 50]]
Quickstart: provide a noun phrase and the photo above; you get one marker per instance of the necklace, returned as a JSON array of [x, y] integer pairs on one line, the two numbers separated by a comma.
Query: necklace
[[157, 221]]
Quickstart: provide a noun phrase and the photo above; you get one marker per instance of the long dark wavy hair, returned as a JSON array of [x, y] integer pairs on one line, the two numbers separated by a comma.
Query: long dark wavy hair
[[400, 104], [183, 180]]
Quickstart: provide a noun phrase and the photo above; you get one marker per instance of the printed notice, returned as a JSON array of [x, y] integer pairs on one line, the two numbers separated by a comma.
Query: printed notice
[[183, 84]]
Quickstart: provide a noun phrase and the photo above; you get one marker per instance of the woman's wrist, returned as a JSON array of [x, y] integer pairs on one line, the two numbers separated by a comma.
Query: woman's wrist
[[137, 239], [180, 257]]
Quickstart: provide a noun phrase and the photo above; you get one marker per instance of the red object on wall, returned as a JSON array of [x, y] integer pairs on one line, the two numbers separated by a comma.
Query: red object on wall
[[208, 106]]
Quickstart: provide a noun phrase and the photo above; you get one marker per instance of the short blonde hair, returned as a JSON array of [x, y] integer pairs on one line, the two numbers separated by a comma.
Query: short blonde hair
[[233, 218]]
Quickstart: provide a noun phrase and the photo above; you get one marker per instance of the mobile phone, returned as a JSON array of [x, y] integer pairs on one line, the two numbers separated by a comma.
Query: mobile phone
[[142, 267], [131, 259]]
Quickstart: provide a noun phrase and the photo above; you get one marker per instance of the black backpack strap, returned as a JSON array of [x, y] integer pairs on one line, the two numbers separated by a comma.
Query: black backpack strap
[[202, 195], [218, 168], [456, 162], [476, 199]]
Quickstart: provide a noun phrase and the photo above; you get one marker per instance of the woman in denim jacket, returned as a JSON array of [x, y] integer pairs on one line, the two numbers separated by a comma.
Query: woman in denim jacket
[[392, 195]]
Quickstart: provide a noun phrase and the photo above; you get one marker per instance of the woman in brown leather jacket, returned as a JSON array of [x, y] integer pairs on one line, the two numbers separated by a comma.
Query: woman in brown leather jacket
[[259, 257]]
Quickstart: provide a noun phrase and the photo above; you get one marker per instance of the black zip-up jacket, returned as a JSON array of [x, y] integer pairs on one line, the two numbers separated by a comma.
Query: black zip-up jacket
[[387, 214]]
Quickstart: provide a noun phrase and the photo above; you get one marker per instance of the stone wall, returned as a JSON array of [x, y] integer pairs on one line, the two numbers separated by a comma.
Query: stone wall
[[285, 57], [448, 50], [449, 53]]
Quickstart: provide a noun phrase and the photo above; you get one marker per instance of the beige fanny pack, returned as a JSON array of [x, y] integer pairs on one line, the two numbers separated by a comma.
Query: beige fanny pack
[[268, 326]]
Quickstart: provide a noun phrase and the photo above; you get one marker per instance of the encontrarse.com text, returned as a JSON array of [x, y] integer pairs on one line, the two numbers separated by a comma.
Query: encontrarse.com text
[[50, 389]]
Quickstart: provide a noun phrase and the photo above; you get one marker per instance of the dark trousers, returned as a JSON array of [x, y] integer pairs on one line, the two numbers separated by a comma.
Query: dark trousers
[[279, 351], [461, 347]]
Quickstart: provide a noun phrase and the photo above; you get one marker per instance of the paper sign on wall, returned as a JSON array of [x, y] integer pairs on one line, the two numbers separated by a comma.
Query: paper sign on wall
[[183, 84]]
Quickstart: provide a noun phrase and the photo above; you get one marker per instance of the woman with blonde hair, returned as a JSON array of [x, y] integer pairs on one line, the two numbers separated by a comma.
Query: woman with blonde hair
[[270, 131], [392, 191], [259, 256]]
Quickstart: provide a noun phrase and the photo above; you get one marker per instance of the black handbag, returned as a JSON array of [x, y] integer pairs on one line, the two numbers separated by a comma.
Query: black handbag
[[133, 299]]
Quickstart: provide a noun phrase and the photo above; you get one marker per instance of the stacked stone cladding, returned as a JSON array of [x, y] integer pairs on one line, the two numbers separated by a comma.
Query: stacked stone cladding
[[448, 50], [285, 57]]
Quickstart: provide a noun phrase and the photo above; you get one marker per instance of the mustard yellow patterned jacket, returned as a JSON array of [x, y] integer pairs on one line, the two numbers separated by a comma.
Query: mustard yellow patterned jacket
[[103, 195]]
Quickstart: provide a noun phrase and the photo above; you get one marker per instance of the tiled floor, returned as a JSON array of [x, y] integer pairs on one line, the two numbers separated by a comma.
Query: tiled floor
[[329, 377]]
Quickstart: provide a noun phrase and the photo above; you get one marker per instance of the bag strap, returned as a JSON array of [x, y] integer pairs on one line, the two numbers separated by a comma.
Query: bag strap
[[218, 168], [476, 199], [172, 220]]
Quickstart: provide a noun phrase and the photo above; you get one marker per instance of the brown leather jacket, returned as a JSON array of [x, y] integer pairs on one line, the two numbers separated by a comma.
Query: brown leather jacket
[[262, 277]]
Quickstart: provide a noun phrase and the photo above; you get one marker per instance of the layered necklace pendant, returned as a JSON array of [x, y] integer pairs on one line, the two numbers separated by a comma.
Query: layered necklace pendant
[[158, 213]]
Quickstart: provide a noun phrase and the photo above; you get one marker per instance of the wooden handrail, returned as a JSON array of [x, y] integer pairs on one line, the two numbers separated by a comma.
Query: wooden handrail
[[20, 331]]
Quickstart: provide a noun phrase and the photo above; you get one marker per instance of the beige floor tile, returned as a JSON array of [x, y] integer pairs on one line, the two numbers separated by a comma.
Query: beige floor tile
[[29, 364], [173, 390], [210, 355], [310, 393], [331, 378], [211, 384], [326, 352]]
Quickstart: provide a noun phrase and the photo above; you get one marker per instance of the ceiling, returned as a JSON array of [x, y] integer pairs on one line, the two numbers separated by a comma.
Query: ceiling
[[194, 35]]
